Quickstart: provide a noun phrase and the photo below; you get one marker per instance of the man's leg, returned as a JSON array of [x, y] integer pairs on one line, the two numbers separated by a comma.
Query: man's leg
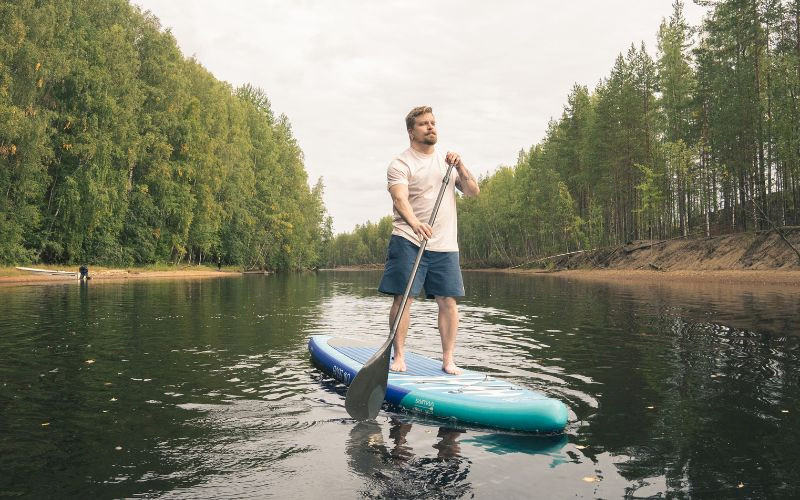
[[399, 362], [448, 330]]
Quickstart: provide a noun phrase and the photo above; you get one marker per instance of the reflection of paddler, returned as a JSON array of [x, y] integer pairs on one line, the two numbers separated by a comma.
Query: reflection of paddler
[[394, 472], [448, 446], [398, 434]]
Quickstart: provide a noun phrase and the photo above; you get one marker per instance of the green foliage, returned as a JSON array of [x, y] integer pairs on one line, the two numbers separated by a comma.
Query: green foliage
[[703, 139], [116, 149], [366, 244]]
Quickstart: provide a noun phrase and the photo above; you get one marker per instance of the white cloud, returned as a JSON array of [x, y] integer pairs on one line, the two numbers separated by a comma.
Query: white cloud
[[346, 72]]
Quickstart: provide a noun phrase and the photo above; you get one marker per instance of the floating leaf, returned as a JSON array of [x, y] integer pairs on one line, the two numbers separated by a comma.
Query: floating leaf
[[113, 399], [590, 479], [580, 446], [118, 448], [89, 361], [45, 424]]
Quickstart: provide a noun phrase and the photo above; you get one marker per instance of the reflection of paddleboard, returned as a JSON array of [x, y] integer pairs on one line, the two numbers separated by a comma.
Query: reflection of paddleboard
[[502, 444], [470, 397]]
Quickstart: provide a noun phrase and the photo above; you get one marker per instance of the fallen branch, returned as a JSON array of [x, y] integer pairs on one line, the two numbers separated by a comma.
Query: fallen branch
[[783, 237], [551, 257], [778, 230], [642, 247]]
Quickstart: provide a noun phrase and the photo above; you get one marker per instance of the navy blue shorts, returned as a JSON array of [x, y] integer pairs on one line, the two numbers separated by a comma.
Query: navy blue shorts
[[439, 272]]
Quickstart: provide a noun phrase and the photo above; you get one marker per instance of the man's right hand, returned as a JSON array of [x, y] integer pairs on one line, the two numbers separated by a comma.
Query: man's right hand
[[399, 194], [423, 230]]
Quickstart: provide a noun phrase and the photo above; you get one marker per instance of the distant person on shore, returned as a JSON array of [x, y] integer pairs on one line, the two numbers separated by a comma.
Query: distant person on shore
[[414, 180]]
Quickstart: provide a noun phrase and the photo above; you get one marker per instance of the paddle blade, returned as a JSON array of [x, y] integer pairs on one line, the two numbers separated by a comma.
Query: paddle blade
[[368, 389]]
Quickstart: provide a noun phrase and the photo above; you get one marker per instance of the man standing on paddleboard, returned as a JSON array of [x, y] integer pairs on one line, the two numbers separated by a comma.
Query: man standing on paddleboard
[[414, 180]]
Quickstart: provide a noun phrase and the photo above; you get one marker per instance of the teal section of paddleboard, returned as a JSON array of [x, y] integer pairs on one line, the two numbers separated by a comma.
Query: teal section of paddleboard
[[471, 397]]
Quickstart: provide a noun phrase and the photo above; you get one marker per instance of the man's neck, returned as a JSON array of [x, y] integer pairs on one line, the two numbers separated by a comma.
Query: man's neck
[[423, 148]]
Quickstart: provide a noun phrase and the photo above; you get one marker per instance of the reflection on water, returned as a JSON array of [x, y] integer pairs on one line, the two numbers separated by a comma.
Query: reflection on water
[[204, 389], [394, 469], [391, 469]]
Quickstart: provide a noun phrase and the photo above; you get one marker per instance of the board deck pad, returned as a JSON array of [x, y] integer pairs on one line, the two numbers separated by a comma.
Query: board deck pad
[[416, 365], [471, 397]]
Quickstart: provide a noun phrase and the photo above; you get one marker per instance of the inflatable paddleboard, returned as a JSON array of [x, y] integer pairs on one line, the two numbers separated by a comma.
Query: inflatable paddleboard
[[471, 397]]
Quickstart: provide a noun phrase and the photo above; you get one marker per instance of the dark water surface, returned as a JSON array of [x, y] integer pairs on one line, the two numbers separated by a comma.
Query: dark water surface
[[204, 389]]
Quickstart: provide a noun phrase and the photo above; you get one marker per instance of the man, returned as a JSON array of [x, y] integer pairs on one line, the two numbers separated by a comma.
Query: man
[[414, 180]]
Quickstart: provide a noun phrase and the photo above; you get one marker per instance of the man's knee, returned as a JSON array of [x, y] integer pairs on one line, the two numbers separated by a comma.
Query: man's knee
[[398, 299], [447, 303]]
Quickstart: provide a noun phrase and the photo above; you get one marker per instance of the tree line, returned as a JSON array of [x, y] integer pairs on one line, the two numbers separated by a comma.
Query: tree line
[[115, 148], [702, 139]]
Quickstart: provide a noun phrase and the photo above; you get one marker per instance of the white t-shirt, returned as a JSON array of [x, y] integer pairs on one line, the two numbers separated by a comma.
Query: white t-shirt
[[424, 174]]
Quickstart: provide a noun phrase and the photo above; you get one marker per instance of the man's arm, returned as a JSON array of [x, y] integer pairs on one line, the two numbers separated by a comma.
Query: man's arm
[[466, 182], [399, 194]]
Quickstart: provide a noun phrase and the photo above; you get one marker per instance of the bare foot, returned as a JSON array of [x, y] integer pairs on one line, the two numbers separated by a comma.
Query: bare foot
[[451, 368], [398, 365]]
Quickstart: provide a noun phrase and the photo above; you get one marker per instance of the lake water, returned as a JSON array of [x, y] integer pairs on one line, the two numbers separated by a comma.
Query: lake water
[[204, 389]]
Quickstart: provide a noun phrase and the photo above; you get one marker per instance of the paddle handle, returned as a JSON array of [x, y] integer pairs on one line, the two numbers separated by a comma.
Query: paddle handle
[[402, 308]]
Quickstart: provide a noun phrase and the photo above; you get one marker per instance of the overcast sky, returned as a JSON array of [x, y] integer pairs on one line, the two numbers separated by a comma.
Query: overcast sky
[[346, 72]]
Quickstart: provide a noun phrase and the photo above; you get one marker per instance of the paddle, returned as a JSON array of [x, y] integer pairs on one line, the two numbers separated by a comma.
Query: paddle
[[366, 392]]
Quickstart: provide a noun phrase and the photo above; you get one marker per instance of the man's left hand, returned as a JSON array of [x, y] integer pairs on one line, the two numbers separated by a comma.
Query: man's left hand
[[453, 159], [465, 183]]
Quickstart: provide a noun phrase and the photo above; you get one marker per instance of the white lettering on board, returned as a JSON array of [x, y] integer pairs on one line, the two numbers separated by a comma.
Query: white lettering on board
[[423, 405], [341, 374]]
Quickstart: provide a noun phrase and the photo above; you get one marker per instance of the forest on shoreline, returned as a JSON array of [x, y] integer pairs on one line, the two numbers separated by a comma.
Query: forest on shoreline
[[117, 149], [701, 140]]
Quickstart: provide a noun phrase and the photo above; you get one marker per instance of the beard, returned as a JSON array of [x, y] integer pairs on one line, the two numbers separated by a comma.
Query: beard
[[429, 139]]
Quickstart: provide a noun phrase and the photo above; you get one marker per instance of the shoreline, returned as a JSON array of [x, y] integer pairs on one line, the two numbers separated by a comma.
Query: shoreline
[[729, 277], [757, 277], [24, 278]]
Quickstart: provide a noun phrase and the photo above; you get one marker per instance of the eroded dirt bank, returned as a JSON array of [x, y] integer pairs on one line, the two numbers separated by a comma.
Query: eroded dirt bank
[[761, 258], [764, 250]]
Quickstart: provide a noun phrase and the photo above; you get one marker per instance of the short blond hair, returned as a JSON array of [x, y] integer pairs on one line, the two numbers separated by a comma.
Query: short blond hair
[[412, 115]]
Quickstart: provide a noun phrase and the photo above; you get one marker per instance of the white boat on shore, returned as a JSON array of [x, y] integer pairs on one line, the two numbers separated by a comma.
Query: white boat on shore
[[48, 271]]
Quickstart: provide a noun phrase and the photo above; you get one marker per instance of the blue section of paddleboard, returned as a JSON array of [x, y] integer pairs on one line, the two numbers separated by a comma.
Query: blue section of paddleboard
[[472, 396]]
